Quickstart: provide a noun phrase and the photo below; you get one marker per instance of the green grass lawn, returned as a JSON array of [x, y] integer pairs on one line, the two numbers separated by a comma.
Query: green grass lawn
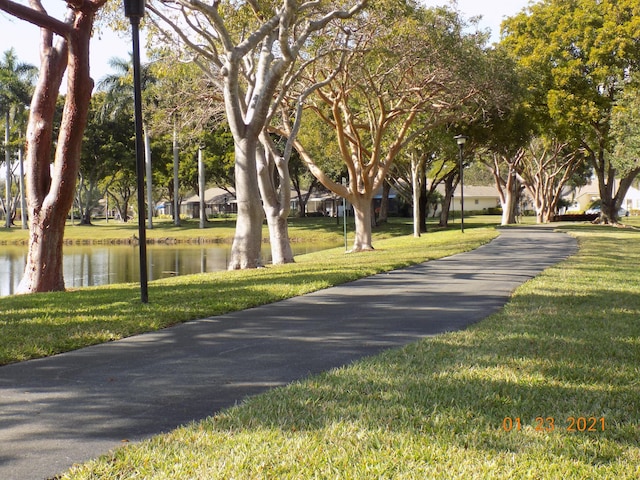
[[39, 325], [561, 362]]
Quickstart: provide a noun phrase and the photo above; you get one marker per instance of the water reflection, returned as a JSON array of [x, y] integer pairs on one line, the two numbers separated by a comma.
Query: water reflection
[[86, 266]]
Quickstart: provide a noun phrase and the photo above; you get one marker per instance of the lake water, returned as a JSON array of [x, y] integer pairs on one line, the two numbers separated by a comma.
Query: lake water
[[100, 265]]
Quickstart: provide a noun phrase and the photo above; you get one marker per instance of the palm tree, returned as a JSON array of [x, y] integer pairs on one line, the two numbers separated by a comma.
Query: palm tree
[[16, 85], [119, 89]]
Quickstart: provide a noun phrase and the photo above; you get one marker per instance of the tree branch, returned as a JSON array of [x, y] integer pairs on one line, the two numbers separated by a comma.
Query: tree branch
[[36, 17]]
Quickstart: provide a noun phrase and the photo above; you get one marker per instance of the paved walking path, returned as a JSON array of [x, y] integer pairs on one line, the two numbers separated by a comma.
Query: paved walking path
[[72, 407]]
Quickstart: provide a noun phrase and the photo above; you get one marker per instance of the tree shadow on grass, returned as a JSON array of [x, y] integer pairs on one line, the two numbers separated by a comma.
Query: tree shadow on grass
[[458, 389]]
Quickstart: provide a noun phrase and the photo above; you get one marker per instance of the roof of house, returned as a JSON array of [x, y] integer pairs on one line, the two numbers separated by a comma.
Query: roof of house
[[479, 191], [212, 195]]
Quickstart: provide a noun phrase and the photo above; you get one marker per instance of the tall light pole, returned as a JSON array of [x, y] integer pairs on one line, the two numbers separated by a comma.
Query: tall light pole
[[461, 139], [134, 10]]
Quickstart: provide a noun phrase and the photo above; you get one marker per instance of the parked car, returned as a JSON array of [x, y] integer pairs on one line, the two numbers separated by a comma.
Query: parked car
[[593, 211]]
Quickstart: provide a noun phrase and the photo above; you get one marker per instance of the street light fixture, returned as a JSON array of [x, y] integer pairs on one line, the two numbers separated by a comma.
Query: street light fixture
[[461, 139], [134, 10]]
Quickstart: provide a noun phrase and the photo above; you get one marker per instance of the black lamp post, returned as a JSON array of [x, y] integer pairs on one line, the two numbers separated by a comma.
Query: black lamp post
[[134, 10], [461, 139]]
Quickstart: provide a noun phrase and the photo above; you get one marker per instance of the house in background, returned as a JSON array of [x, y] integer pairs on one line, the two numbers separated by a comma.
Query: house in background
[[584, 197], [328, 204], [217, 201], [323, 204], [477, 198], [632, 200]]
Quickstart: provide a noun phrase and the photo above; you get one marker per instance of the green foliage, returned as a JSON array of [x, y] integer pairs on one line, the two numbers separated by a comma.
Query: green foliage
[[576, 53], [119, 87], [625, 129], [319, 140], [220, 158], [16, 87], [107, 161], [185, 98], [17, 80], [108, 144]]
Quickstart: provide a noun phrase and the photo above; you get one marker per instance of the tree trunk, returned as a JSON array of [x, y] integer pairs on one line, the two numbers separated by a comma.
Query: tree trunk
[[43, 271], [623, 188], [449, 189], [201, 189], [423, 208], [23, 200], [419, 193], [610, 201], [303, 200], [276, 199], [383, 215], [85, 218], [281, 251], [509, 205], [85, 191], [509, 196], [362, 213], [147, 163], [176, 177], [415, 187], [606, 185], [51, 190], [245, 251]]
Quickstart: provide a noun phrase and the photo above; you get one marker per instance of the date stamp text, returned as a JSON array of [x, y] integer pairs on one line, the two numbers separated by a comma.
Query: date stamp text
[[550, 424]]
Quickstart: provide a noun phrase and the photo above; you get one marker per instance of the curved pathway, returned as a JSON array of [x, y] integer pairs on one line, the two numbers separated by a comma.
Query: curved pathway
[[72, 407]]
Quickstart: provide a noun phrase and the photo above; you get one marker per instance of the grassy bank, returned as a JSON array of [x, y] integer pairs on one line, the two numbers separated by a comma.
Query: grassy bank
[[218, 230], [163, 231], [512, 397], [40, 325], [310, 229]]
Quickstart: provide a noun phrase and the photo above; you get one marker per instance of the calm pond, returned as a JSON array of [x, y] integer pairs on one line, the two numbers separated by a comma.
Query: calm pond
[[100, 265]]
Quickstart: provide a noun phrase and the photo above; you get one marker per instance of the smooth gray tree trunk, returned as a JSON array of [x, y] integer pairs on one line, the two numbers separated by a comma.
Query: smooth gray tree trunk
[[276, 199], [147, 157], [362, 213], [176, 178], [23, 201], [201, 188], [247, 242]]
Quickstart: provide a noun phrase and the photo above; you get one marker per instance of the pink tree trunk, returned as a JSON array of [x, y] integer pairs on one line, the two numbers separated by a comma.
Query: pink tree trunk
[[51, 190]]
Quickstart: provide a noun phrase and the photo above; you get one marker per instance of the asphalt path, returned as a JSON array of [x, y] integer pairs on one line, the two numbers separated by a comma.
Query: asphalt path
[[72, 407]]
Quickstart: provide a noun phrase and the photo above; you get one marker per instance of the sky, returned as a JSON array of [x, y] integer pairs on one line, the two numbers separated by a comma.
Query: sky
[[23, 37]]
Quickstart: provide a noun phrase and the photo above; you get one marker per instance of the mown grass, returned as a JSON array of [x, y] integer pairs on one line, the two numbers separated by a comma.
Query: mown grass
[[44, 324], [566, 345]]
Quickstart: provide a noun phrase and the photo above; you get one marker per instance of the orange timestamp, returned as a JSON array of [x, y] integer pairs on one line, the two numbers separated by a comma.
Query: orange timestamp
[[549, 424]]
